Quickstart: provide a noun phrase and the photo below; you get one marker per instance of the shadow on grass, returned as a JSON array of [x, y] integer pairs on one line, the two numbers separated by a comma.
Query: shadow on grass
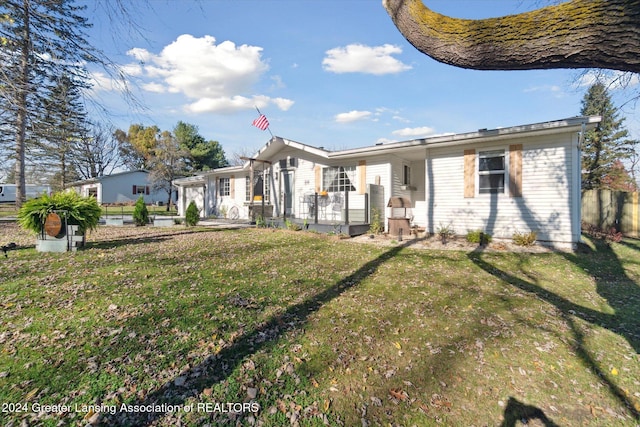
[[216, 368], [612, 283], [144, 239], [517, 411]]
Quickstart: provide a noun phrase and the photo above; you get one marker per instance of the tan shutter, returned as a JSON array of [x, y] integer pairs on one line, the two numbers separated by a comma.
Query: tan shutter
[[232, 187], [515, 170], [469, 173], [318, 178], [362, 176]]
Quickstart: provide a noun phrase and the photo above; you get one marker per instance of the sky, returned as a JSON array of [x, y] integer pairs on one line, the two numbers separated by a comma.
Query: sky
[[330, 73]]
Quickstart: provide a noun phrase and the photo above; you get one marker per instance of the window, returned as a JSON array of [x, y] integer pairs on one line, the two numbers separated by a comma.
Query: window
[[260, 185], [225, 187], [491, 172], [406, 175], [339, 178], [140, 189]]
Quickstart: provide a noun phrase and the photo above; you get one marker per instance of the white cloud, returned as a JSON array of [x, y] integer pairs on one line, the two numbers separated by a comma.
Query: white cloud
[[154, 87], [358, 58], [352, 116], [282, 103], [217, 77], [411, 132]]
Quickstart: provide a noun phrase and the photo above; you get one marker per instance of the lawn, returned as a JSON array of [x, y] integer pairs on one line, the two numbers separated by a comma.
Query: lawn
[[271, 327]]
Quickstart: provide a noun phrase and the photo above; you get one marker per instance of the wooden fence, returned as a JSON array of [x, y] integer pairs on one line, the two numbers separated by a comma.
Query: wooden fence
[[605, 209]]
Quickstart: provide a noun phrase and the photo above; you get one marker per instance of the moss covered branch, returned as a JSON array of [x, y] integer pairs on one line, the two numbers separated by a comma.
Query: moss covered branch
[[573, 34]]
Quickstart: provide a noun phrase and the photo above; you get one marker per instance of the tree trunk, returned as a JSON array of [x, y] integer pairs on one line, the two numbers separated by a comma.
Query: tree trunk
[[21, 116], [574, 34]]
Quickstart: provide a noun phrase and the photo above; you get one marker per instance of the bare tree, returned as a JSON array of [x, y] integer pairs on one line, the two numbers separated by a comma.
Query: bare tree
[[96, 154]]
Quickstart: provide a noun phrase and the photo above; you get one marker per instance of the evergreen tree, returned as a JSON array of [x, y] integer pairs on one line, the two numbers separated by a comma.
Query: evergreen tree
[[203, 155], [607, 143], [40, 40], [62, 126]]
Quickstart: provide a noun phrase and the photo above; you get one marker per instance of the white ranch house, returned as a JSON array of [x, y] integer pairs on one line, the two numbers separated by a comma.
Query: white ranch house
[[521, 178]]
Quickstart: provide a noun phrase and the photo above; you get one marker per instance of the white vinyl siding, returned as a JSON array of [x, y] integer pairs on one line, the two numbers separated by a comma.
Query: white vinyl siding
[[546, 193]]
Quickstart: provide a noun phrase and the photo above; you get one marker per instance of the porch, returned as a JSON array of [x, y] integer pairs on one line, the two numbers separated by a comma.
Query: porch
[[337, 213]]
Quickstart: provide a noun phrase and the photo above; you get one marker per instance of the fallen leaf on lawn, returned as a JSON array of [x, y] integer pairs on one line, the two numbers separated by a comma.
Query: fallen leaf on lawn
[[89, 414], [397, 345], [32, 393], [614, 371], [326, 405], [314, 383], [399, 394]]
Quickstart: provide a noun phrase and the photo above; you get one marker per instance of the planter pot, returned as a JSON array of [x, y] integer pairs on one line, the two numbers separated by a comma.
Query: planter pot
[[118, 222], [64, 242]]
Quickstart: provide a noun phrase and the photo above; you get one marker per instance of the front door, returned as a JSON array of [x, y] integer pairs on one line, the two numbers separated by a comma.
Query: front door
[[286, 192]]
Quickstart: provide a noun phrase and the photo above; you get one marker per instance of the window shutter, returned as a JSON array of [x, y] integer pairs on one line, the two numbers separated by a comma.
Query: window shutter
[[469, 173], [515, 170], [232, 186], [146, 190], [134, 189], [362, 176]]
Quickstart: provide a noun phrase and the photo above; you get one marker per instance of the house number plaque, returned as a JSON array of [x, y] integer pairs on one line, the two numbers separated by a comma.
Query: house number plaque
[[53, 224]]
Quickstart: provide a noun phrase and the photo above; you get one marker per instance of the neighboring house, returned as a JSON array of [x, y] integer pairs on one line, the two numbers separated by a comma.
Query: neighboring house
[[521, 178], [120, 187]]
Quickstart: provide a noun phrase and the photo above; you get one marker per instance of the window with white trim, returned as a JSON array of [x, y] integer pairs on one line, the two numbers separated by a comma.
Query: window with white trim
[[338, 178], [492, 172], [225, 187]]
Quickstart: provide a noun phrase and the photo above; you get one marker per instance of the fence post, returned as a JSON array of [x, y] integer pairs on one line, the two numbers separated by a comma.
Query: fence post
[[346, 206]]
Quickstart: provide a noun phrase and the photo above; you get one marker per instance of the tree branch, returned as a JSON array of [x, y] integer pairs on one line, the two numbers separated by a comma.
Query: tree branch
[[574, 34]]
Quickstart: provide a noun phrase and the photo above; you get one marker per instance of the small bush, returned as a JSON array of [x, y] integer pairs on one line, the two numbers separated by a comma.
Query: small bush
[[140, 213], [376, 226], [479, 237], [290, 225], [524, 239], [192, 215], [260, 222]]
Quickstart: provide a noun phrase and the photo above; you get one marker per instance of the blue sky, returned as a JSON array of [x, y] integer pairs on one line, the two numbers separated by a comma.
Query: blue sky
[[332, 73]]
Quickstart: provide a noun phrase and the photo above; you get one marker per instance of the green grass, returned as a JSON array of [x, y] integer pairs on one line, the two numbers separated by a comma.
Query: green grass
[[318, 329]]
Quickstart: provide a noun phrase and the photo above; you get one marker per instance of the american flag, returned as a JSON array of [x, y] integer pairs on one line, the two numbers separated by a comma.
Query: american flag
[[261, 122]]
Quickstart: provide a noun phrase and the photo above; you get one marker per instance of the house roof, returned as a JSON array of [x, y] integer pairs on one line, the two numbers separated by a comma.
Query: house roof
[[276, 143], [479, 136], [102, 178]]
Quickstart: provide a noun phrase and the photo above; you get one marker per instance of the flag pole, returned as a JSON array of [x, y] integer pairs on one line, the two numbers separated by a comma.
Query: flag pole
[[268, 128]]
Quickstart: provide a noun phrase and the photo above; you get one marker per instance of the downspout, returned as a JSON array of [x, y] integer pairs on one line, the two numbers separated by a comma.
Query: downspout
[[583, 130]]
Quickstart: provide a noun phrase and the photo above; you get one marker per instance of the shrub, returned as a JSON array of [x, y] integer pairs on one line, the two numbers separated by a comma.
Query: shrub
[[140, 213], [479, 237], [445, 232], [290, 225], [524, 239], [376, 226], [192, 215], [82, 211]]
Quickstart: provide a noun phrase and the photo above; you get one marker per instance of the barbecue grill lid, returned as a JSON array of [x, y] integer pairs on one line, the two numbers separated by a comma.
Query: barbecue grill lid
[[399, 202]]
